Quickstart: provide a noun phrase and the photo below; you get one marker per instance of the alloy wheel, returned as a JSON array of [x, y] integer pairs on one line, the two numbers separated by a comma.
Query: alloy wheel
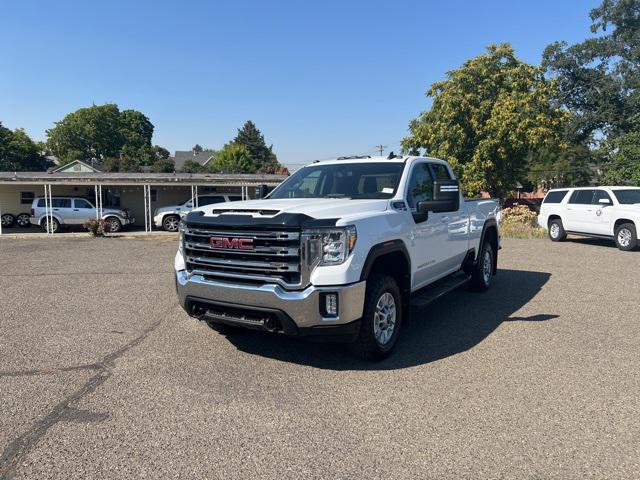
[[384, 318]]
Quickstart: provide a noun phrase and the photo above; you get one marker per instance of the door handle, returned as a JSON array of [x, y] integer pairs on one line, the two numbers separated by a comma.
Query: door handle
[[76, 210], [444, 219]]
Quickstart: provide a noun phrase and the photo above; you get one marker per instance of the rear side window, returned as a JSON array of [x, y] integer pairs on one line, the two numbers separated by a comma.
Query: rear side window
[[234, 198], [61, 203], [582, 197], [202, 201], [80, 203], [600, 195], [555, 197], [41, 203]]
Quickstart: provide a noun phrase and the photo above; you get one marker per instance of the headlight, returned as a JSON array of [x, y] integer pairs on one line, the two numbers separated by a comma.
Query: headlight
[[334, 244]]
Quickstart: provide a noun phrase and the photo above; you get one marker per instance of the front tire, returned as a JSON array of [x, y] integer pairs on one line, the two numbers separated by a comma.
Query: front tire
[[112, 225], [556, 231], [171, 223], [381, 319], [626, 237]]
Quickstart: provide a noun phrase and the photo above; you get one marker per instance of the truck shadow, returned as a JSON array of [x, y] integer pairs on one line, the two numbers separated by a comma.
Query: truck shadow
[[451, 325]]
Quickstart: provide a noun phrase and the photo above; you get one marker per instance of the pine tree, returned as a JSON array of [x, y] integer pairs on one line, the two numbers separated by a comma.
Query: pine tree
[[262, 156]]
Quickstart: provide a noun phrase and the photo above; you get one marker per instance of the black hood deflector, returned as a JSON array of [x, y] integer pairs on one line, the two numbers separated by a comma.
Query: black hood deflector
[[283, 220]]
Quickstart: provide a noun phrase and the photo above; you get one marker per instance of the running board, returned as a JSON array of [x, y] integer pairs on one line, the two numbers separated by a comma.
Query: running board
[[429, 294]]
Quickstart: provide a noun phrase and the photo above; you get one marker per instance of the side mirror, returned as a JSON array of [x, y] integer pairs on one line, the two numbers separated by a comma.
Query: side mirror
[[189, 205], [446, 198], [604, 201]]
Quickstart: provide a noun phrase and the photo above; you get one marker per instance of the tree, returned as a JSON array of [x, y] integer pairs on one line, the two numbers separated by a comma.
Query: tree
[[486, 118], [622, 167], [163, 165], [233, 158], [262, 156], [92, 133], [599, 83], [191, 166], [197, 148], [19, 153], [160, 152], [565, 167], [100, 132]]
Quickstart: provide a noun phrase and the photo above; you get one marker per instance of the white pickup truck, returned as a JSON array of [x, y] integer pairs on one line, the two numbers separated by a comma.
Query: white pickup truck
[[341, 249], [608, 212]]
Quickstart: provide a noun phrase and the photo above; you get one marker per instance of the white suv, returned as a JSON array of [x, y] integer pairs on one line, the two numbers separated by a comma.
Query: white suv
[[609, 212], [168, 217]]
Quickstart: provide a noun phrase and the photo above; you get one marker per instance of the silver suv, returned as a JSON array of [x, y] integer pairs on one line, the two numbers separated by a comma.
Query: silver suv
[[76, 211]]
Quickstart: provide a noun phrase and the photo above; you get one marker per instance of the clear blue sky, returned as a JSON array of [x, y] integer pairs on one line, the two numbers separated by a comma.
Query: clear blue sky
[[319, 79]]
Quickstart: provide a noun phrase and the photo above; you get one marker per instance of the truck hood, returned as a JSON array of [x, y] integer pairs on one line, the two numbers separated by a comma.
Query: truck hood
[[312, 207]]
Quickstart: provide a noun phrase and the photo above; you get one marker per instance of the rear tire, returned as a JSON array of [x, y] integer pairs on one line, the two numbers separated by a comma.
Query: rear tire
[[381, 319], [626, 237], [483, 269], [556, 231], [171, 223], [112, 225], [7, 220], [23, 220]]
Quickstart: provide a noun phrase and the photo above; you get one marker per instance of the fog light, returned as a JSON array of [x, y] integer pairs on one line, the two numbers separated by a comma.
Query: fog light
[[330, 305]]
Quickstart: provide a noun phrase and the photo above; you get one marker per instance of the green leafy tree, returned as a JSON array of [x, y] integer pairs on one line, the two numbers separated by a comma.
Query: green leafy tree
[[561, 167], [160, 152], [163, 165], [92, 133], [486, 118], [233, 158], [197, 148], [263, 156], [19, 153], [599, 83], [192, 167], [100, 132], [622, 167]]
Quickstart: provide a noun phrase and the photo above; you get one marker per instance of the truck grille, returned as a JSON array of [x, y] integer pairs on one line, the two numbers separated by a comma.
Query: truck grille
[[273, 256]]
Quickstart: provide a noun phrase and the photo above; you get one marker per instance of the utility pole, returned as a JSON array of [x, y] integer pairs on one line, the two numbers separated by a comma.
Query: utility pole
[[381, 148]]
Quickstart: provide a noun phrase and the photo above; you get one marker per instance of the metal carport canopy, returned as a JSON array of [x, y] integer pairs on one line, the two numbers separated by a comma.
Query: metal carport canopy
[[128, 179]]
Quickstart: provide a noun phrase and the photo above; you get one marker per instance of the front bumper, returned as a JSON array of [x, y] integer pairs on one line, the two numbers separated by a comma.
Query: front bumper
[[298, 311]]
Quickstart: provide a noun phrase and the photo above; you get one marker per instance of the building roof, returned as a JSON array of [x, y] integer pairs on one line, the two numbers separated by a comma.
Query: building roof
[[199, 157], [76, 166], [84, 178]]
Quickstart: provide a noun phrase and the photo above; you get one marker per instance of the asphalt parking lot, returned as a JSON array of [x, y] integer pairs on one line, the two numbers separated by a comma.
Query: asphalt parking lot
[[103, 376]]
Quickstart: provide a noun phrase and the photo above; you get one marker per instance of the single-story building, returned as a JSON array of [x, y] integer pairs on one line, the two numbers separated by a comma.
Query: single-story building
[[127, 190]]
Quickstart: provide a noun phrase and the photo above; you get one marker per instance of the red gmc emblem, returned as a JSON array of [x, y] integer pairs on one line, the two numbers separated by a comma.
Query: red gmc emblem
[[237, 243]]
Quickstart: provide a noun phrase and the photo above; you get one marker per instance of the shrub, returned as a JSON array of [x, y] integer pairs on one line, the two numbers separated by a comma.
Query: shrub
[[520, 222], [96, 228]]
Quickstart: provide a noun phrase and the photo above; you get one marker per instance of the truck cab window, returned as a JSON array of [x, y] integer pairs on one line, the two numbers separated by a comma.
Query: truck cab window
[[420, 185]]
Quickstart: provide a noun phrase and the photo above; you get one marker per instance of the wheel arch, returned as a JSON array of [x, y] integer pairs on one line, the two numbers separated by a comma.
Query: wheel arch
[[621, 221], [391, 258], [489, 234]]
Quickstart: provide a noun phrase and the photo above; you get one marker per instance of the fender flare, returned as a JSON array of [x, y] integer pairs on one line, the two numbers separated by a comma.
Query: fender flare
[[381, 249], [489, 223]]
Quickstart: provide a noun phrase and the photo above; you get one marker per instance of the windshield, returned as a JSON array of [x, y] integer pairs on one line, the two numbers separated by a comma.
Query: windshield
[[348, 180], [628, 197]]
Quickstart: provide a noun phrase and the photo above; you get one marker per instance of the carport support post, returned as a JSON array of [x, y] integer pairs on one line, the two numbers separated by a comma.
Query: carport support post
[[48, 210], [194, 196]]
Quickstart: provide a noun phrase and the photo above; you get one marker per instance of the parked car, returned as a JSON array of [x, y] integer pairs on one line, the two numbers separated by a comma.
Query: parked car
[[340, 249], [76, 211], [168, 217], [608, 212]]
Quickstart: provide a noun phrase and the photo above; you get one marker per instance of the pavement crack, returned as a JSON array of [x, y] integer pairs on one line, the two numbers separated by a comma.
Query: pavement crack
[[17, 449]]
